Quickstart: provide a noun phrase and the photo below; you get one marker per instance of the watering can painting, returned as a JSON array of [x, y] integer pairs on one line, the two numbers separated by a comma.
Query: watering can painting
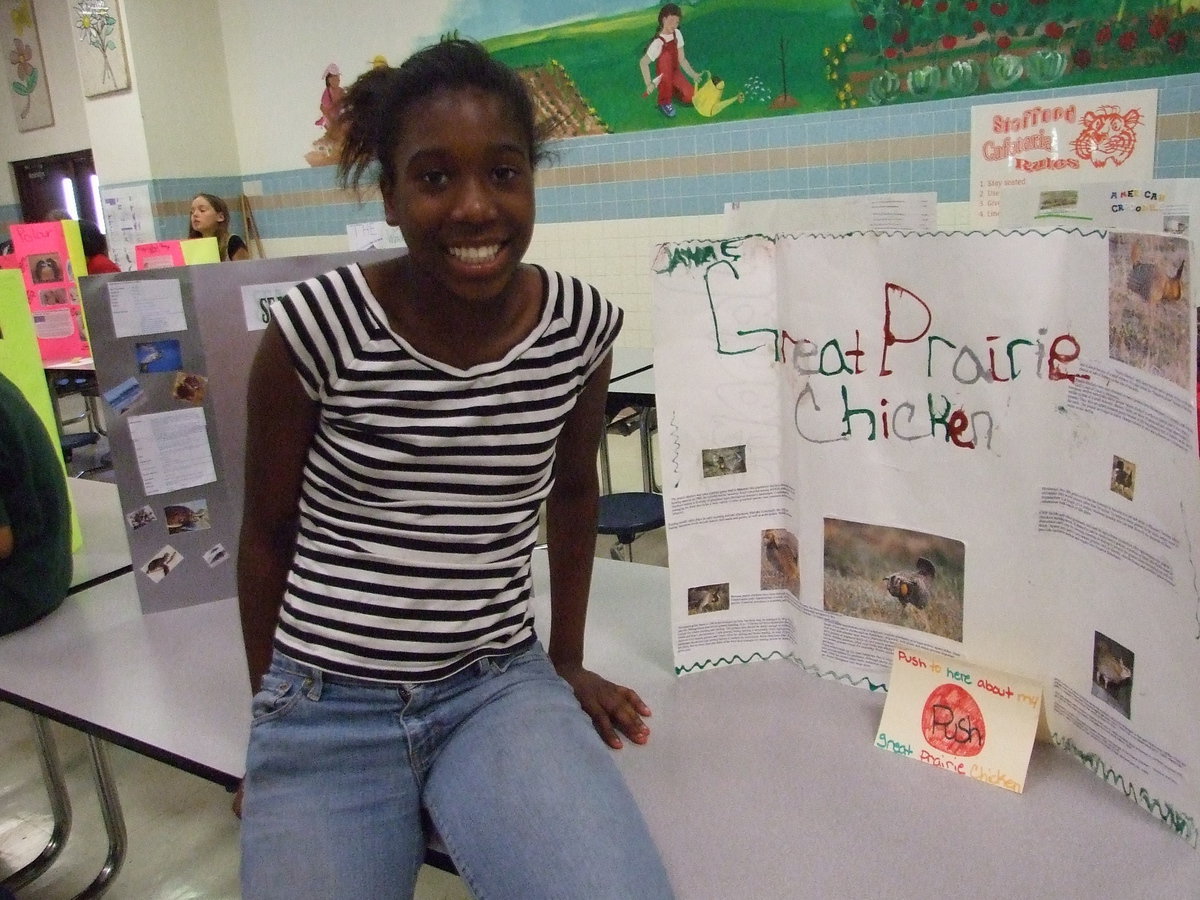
[[707, 99]]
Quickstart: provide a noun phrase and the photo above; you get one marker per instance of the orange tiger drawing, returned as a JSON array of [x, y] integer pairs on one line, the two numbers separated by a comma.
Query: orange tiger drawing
[[1108, 135]]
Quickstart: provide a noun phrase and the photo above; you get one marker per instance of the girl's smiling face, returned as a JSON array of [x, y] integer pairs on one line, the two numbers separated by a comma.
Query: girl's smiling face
[[462, 192], [205, 219], [670, 23]]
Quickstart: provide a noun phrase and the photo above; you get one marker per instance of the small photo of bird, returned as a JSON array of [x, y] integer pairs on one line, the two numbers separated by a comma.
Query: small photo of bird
[[780, 561], [706, 598], [913, 587]]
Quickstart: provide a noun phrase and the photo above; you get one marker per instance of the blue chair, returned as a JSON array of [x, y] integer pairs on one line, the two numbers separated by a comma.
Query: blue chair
[[84, 386], [625, 515]]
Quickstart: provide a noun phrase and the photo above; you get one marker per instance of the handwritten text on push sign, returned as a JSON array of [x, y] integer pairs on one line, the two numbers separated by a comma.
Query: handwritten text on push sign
[[952, 723]]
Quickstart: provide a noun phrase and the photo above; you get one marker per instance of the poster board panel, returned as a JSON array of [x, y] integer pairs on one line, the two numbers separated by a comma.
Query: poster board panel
[[173, 349]]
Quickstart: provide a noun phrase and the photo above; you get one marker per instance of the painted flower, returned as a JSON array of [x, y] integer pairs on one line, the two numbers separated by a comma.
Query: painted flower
[[1104, 35], [1176, 41], [22, 58], [21, 17], [1054, 30], [1081, 58], [1159, 24], [1127, 41]]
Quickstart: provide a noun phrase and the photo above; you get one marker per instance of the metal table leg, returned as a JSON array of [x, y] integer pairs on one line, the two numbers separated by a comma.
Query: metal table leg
[[646, 428], [605, 472], [114, 821], [60, 807]]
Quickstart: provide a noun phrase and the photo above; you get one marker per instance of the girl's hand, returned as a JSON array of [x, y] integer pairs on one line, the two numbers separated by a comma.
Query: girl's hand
[[612, 707]]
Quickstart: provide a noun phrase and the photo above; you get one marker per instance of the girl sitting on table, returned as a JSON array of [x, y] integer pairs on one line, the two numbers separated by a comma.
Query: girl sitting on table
[[406, 421], [210, 218]]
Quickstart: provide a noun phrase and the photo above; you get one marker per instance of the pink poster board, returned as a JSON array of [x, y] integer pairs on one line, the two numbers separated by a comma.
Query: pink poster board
[[158, 255], [49, 255], [164, 254]]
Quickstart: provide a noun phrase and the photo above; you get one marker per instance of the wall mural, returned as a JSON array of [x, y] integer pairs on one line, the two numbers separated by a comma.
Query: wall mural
[[611, 66], [743, 59]]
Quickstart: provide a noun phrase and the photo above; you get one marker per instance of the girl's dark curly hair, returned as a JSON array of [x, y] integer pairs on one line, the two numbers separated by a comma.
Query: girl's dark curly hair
[[372, 112]]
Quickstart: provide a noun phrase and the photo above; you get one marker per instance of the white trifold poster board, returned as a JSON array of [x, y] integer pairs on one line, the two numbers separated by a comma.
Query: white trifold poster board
[[978, 444]]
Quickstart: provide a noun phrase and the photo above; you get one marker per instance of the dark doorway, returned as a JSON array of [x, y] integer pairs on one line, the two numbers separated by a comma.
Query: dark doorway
[[42, 184]]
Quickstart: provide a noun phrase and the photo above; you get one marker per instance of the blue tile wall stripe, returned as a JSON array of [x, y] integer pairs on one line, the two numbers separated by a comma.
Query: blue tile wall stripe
[[701, 194]]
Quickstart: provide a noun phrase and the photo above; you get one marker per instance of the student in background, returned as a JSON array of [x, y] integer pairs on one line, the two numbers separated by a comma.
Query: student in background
[[35, 517], [95, 248], [210, 218], [406, 422]]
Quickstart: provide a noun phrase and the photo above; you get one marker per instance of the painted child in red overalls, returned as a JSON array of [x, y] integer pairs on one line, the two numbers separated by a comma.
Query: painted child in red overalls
[[666, 52]]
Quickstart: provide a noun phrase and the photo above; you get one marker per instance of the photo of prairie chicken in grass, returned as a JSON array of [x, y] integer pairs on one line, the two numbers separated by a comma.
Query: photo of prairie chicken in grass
[[880, 573]]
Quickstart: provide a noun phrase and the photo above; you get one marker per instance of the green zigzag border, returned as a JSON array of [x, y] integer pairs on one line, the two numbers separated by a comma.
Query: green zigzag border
[[790, 657], [1181, 823]]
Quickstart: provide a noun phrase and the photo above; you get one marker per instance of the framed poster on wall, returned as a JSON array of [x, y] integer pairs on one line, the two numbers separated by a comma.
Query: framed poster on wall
[[100, 48]]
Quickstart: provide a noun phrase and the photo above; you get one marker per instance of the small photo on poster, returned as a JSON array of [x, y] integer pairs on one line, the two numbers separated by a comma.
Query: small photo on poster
[[706, 598], [45, 268], [1057, 201], [189, 516], [215, 555], [190, 388], [159, 356], [779, 561], [157, 262], [162, 564], [125, 396], [1124, 475], [1112, 673], [53, 296], [717, 461], [140, 517], [1175, 224]]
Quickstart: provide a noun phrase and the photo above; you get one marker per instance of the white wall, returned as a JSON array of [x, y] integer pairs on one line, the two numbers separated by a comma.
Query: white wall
[[116, 131], [183, 88], [69, 131], [277, 50]]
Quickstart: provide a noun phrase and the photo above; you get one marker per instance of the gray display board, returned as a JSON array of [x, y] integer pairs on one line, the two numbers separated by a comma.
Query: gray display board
[[173, 349]]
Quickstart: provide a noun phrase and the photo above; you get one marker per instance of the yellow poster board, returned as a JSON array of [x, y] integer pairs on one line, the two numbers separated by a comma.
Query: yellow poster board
[[21, 363]]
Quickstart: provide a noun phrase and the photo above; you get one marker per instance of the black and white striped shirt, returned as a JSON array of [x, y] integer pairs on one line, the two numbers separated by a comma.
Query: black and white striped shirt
[[419, 504]]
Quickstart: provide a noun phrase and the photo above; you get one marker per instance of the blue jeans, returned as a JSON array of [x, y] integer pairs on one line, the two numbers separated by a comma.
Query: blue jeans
[[522, 791]]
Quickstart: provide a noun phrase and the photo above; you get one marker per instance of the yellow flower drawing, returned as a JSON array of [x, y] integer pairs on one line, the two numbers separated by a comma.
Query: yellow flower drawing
[[22, 18]]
